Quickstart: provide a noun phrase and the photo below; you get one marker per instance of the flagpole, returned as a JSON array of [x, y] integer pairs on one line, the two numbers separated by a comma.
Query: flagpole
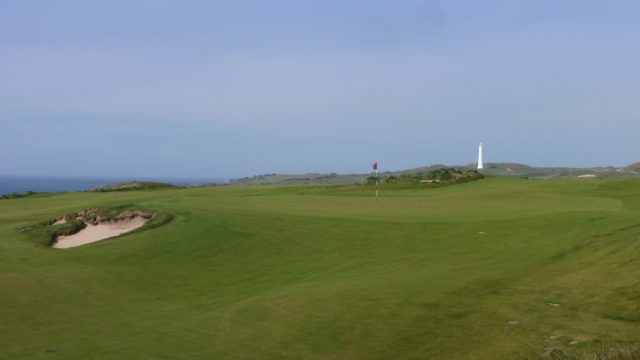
[[375, 167], [376, 182]]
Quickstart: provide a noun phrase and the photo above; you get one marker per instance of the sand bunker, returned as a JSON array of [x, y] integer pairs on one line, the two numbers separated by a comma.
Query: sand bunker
[[60, 221], [93, 233], [103, 228]]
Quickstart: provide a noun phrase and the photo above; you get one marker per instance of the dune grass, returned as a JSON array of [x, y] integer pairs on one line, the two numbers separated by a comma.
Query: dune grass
[[492, 269], [133, 185]]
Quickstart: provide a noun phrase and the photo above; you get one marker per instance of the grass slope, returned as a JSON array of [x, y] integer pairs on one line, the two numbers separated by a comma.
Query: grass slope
[[321, 272]]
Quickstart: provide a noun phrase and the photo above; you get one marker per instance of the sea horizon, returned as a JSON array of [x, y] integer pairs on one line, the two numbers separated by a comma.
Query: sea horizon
[[56, 184]]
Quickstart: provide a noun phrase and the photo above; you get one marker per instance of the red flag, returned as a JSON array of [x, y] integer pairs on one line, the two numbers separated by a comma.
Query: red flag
[[375, 166]]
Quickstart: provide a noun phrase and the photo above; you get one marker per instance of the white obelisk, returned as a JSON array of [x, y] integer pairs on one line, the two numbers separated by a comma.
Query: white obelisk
[[480, 163]]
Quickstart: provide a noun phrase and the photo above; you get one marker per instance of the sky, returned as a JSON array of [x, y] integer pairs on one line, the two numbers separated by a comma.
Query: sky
[[227, 89]]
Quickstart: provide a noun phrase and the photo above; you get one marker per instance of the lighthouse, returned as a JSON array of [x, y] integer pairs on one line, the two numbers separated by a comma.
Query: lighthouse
[[480, 163]]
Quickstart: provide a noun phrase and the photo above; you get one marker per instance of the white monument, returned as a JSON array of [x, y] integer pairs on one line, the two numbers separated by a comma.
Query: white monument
[[480, 163]]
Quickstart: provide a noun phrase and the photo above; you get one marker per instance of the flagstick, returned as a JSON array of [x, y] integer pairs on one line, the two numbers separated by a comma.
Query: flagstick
[[376, 184]]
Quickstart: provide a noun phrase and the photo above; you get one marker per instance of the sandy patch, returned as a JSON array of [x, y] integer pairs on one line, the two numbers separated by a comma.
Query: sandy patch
[[60, 221], [101, 231]]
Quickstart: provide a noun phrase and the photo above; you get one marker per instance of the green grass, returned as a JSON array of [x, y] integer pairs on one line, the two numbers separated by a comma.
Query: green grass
[[325, 272]]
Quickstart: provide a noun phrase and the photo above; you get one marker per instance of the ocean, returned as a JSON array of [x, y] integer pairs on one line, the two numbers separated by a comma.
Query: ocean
[[12, 184]]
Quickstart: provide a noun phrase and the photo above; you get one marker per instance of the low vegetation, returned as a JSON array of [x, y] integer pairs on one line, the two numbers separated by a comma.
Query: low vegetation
[[283, 179], [133, 185], [17, 195], [437, 176]]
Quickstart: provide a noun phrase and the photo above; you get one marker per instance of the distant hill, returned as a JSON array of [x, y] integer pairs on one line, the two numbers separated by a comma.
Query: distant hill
[[284, 179], [633, 168], [491, 169], [520, 170], [133, 185]]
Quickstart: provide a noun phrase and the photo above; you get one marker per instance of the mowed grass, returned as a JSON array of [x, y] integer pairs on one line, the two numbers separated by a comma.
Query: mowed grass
[[325, 272]]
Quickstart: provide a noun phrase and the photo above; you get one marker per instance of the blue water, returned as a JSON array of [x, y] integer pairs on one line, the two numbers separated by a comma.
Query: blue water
[[11, 184]]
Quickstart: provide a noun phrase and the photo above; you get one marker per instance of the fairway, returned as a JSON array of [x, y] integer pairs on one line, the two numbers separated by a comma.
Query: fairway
[[490, 269]]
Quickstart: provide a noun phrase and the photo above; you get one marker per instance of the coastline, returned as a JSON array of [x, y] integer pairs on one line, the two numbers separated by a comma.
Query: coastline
[[56, 184]]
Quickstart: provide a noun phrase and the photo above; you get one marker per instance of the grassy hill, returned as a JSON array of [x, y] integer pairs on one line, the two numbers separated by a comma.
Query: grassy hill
[[510, 170], [133, 185], [284, 179], [490, 269], [519, 170]]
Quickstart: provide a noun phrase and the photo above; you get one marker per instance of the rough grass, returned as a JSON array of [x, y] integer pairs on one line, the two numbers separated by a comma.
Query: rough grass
[[469, 271], [620, 351], [17, 195], [133, 185]]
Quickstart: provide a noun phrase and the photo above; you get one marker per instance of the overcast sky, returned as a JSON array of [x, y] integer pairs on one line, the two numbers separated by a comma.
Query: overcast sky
[[236, 88]]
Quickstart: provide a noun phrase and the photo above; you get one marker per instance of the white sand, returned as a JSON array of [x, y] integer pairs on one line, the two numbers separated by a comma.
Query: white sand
[[93, 233], [60, 221]]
